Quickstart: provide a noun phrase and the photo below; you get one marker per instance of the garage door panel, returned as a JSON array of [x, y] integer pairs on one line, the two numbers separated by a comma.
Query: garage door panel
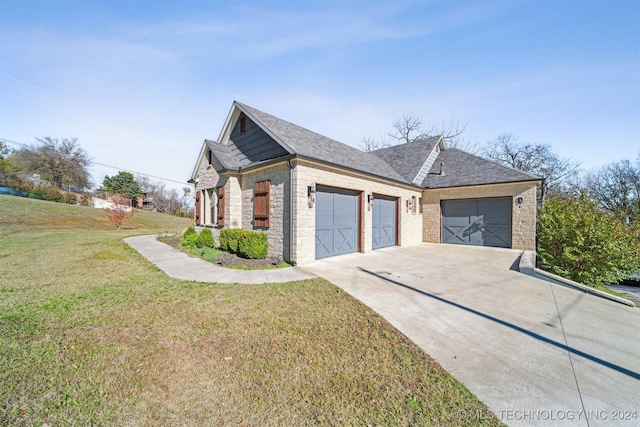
[[336, 223], [481, 222], [384, 223]]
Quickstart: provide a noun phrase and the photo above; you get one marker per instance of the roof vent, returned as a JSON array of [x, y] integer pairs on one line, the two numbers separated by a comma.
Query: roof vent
[[442, 169]]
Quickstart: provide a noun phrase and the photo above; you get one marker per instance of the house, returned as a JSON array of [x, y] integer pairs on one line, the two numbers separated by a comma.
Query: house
[[316, 197], [145, 202]]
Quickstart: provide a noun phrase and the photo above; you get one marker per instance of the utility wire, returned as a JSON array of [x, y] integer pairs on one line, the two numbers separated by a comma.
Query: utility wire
[[108, 166]]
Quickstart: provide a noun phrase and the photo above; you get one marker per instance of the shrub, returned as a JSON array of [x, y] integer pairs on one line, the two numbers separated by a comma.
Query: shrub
[[86, 199], [229, 239], [53, 195], [189, 237], [582, 243], [70, 198], [120, 211], [205, 239], [253, 245], [246, 243]]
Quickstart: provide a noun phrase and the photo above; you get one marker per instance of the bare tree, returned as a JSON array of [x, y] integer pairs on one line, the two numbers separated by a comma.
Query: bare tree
[[537, 159], [371, 143], [165, 200], [616, 188], [411, 128], [61, 162]]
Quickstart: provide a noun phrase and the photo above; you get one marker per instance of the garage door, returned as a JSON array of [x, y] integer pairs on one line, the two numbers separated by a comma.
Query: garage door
[[336, 223], [384, 222], [480, 222]]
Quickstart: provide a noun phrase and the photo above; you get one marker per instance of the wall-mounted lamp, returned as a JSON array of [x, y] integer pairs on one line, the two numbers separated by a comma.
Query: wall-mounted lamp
[[311, 194], [519, 202], [409, 205], [370, 200]]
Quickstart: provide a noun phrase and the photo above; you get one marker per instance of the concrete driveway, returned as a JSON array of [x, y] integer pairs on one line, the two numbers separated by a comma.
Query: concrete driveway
[[535, 352]]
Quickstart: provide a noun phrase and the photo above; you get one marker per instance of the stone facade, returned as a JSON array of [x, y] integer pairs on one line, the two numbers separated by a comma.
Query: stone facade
[[523, 219], [239, 202], [278, 230], [306, 173]]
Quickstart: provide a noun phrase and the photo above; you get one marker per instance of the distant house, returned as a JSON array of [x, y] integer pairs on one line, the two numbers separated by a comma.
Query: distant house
[[145, 202], [316, 197]]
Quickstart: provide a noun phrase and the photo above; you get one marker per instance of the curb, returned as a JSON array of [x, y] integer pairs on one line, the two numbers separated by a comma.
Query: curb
[[527, 266]]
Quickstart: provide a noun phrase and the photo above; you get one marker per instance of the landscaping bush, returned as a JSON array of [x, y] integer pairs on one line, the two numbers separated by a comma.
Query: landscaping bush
[[253, 245], [189, 237], [229, 239], [70, 198], [578, 241], [205, 239], [246, 243], [86, 199]]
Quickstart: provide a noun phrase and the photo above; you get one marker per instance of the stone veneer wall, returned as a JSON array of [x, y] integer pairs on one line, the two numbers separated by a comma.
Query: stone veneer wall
[[278, 230], [410, 223], [523, 228]]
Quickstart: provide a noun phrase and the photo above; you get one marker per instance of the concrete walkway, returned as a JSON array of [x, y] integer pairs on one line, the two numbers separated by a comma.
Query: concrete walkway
[[537, 353], [179, 265]]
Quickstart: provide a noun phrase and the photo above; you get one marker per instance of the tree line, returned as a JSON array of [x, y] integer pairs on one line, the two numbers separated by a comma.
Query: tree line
[[61, 166]]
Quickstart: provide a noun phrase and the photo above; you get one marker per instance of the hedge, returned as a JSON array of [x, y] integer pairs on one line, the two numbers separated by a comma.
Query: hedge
[[189, 237], [245, 243], [205, 239]]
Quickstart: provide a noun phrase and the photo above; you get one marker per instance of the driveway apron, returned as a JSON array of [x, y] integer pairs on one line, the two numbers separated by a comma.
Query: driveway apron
[[537, 353]]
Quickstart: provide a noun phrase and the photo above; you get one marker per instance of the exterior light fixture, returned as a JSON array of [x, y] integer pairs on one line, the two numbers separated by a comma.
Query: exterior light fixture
[[311, 194], [519, 202], [370, 200], [409, 205]]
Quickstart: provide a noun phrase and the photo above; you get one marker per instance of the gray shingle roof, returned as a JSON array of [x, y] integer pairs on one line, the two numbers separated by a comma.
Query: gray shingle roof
[[315, 146], [408, 158], [224, 154], [462, 168]]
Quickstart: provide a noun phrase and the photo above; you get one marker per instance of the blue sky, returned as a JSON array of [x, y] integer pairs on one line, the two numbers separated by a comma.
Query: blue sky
[[143, 83]]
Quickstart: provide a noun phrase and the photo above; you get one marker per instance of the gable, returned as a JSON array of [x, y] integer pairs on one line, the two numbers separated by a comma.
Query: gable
[[252, 144], [313, 146], [412, 159]]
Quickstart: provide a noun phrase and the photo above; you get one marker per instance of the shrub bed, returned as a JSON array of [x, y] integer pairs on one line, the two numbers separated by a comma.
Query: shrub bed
[[245, 243]]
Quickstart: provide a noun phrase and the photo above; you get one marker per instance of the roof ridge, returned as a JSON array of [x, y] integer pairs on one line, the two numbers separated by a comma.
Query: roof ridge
[[497, 163]]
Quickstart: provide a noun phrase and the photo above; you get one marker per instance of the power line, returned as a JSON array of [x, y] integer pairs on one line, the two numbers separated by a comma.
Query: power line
[[141, 173], [108, 166]]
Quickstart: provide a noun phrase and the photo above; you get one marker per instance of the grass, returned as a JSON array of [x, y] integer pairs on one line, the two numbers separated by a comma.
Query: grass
[[92, 333]]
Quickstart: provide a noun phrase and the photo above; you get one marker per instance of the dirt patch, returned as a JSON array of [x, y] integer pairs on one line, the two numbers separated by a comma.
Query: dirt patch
[[234, 261], [171, 241]]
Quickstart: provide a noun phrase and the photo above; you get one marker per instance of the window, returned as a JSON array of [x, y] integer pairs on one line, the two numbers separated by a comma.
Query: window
[[261, 204], [209, 154], [243, 124], [221, 201]]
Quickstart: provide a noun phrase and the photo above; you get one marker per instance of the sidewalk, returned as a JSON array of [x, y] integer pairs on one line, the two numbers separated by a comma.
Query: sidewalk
[[179, 265]]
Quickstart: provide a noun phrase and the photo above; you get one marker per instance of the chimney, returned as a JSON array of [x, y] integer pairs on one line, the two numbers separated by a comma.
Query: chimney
[[442, 169]]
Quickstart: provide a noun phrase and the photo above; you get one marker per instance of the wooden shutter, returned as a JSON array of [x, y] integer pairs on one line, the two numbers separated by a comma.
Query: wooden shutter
[[221, 202], [261, 203], [197, 213]]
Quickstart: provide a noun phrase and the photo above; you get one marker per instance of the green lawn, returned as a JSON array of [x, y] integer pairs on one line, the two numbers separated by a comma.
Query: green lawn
[[93, 334]]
